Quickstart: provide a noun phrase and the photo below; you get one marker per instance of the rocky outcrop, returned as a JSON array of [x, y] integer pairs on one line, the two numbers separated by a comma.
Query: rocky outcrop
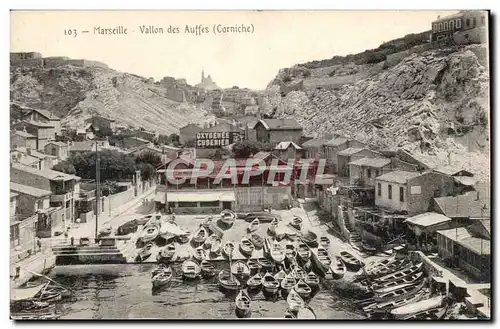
[[429, 103], [74, 93]]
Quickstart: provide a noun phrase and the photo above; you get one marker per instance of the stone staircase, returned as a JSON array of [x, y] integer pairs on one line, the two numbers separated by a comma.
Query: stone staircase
[[93, 254]]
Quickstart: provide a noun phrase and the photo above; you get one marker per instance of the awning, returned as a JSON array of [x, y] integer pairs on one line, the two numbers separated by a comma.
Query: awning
[[201, 196], [25, 293]]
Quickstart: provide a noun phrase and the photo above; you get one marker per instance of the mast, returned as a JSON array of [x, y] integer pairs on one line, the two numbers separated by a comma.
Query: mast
[[98, 192]]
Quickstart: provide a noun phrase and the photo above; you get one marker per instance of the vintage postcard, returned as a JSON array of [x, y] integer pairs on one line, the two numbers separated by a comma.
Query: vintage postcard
[[250, 165]]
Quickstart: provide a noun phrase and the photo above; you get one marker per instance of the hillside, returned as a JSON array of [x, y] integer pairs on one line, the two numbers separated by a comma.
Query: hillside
[[74, 93], [430, 102]]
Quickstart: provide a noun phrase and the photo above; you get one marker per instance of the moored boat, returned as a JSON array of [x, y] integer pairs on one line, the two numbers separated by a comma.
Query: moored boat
[[290, 252], [373, 266], [382, 269], [422, 305], [306, 312], [296, 222], [266, 264], [162, 278], [210, 240], [150, 233], [406, 272], [310, 238], [228, 281], [382, 308], [303, 289], [338, 268], [243, 304], [228, 249], [351, 262], [401, 292], [303, 252], [190, 269], [280, 233], [246, 247], [299, 273], [256, 240], [158, 269], [294, 301], [280, 276], [324, 242], [207, 269], [254, 266], [240, 270], [145, 252], [227, 217], [287, 285], [200, 235], [270, 284], [199, 254], [216, 247], [184, 238], [254, 225], [275, 251], [166, 253], [322, 260], [312, 280], [291, 234], [255, 282], [414, 278]]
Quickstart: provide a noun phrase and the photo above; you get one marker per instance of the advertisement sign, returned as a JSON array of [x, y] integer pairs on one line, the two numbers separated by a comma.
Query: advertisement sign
[[210, 140]]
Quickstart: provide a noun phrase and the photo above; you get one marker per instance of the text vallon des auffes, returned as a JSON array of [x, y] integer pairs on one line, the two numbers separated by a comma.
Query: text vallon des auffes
[[172, 29]]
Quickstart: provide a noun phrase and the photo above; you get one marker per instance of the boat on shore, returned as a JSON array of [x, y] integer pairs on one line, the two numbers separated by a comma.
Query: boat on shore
[[368, 247], [190, 269], [280, 276], [228, 249], [215, 249], [227, 217], [256, 240], [200, 235], [310, 238], [254, 266], [254, 284], [290, 252], [303, 253], [322, 260], [184, 238], [414, 278], [270, 284], [306, 312], [207, 269], [162, 278], [287, 285], [351, 262], [406, 272], [228, 281], [401, 292], [199, 254], [275, 251], [279, 233], [338, 268], [324, 242], [272, 227], [240, 270], [246, 247], [158, 269], [299, 273], [296, 222], [243, 304], [312, 280], [166, 253], [294, 301], [206, 223], [145, 252], [381, 264], [375, 308], [303, 289], [291, 234], [254, 225], [266, 264], [417, 307], [150, 233], [432, 314], [210, 241]]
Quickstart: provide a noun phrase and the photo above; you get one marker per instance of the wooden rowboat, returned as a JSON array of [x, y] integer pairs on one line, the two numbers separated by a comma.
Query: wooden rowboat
[[287, 285], [254, 225], [290, 252], [303, 289], [280, 276], [351, 262], [272, 226], [190, 269], [254, 266], [403, 292], [228, 249], [240, 270], [414, 278], [400, 274], [310, 238], [338, 268], [257, 241], [417, 306], [158, 269], [280, 233], [200, 235], [146, 251], [246, 247], [291, 234], [228, 217], [322, 260], [299, 273], [275, 251], [243, 304], [324, 242], [255, 282], [228, 281], [270, 284], [210, 241], [166, 253], [294, 301], [393, 266], [162, 278], [303, 252], [296, 222], [306, 312], [375, 266], [207, 269], [216, 246], [312, 280], [266, 264], [150, 233], [199, 254], [184, 238], [433, 314]]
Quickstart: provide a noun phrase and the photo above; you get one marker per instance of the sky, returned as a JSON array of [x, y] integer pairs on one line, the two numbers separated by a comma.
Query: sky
[[280, 39]]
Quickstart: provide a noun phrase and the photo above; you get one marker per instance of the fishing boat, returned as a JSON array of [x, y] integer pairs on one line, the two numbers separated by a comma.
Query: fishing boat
[[266, 264], [400, 274], [303, 289], [228, 249], [310, 238], [190, 269], [368, 248], [199, 254], [200, 235], [184, 238], [207, 269], [166, 253], [280, 233], [275, 251], [105, 231], [280, 276], [162, 278], [433, 314], [306, 312], [289, 315], [254, 266], [312, 280], [228, 281], [303, 252], [150, 233], [351, 262], [240, 270], [374, 266], [255, 282], [287, 285], [216, 247], [256, 240], [272, 226], [144, 220], [145, 252], [324, 242], [338, 268], [210, 240], [291, 234], [270, 284], [243, 304], [381, 270], [416, 307], [246, 247], [254, 225], [290, 252], [322, 260], [382, 308], [158, 269], [227, 217], [294, 301], [296, 222], [414, 278], [403, 292], [299, 273]]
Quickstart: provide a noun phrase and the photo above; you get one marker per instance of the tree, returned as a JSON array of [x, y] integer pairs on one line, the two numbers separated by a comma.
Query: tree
[[244, 149], [65, 167], [104, 132], [149, 157], [147, 170], [113, 165]]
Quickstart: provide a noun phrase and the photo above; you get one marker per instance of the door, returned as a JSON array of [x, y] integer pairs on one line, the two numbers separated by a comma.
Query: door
[[226, 205]]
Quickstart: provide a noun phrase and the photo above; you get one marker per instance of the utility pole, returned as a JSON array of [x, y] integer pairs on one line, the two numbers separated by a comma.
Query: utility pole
[[98, 191]]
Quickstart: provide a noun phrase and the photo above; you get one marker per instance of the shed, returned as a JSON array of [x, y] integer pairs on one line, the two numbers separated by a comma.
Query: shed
[[428, 222]]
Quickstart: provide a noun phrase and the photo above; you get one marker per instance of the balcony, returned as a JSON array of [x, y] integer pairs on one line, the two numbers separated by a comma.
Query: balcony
[[87, 195], [61, 197]]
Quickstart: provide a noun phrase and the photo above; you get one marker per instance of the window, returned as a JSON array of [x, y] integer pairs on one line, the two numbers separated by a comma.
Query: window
[[474, 22], [467, 22], [379, 189], [483, 21], [452, 25], [389, 191], [376, 173], [401, 194], [53, 151], [458, 23], [209, 204], [445, 26], [440, 27], [369, 173], [187, 204]]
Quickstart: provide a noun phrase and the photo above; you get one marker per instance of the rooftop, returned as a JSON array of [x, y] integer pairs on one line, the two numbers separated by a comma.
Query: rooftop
[[315, 142], [35, 124], [465, 205], [82, 146], [280, 124], [13, 195], [286, 145], [49, 115], [60, 144], [337, 141], [428, 219], [462, 237], [399, 176], [453, 171], [24, 134], [46, 173], [29, 190], [371, 162]]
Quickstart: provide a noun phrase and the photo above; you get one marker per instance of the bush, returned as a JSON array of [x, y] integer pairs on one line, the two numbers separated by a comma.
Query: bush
[[306, 73], [287, 79], [65, 167]]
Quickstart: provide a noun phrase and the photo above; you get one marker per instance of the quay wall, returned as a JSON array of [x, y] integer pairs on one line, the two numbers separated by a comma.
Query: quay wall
[[41, 262], [108, 203]]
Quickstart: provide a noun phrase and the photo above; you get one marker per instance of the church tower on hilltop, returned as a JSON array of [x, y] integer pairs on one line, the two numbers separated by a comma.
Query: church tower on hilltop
[[202, 75]]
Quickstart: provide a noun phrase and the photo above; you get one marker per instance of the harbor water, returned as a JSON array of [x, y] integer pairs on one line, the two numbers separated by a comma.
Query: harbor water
[[124, 292]]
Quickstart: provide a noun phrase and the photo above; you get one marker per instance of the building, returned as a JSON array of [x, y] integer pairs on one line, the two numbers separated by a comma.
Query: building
[[86, 133], [315, 148], [132, 142], [23, 236], [102, 123], [335, 145], [351, 154], [206, 82], [25, 159], [58, 149], [21, 138], [288, 150], [24, 55], [425, 226], [44, 132], [274, 131], [44, 160], [466, 20], [30, 199], [362, 172], [147, 135], [63, 187], [44, 116], [188, 133], [465, 206], [411, 192]]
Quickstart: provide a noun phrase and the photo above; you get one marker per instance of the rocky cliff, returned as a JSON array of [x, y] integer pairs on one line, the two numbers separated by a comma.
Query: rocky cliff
[[75, 93], [434, 104]]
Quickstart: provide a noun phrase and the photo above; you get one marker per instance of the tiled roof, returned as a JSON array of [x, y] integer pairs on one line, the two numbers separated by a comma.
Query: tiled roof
[[61, 144], [371, 162], [428, 219], [280, 124], [465, 180], [451, 170], [461, 236], [82, 146], [49, 115], [24, 134], [29, 190], [286, 145], [36, 124], [315, 142], [46, 173], [350, 151], [337, 141], [399, 176], [464, 205]]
